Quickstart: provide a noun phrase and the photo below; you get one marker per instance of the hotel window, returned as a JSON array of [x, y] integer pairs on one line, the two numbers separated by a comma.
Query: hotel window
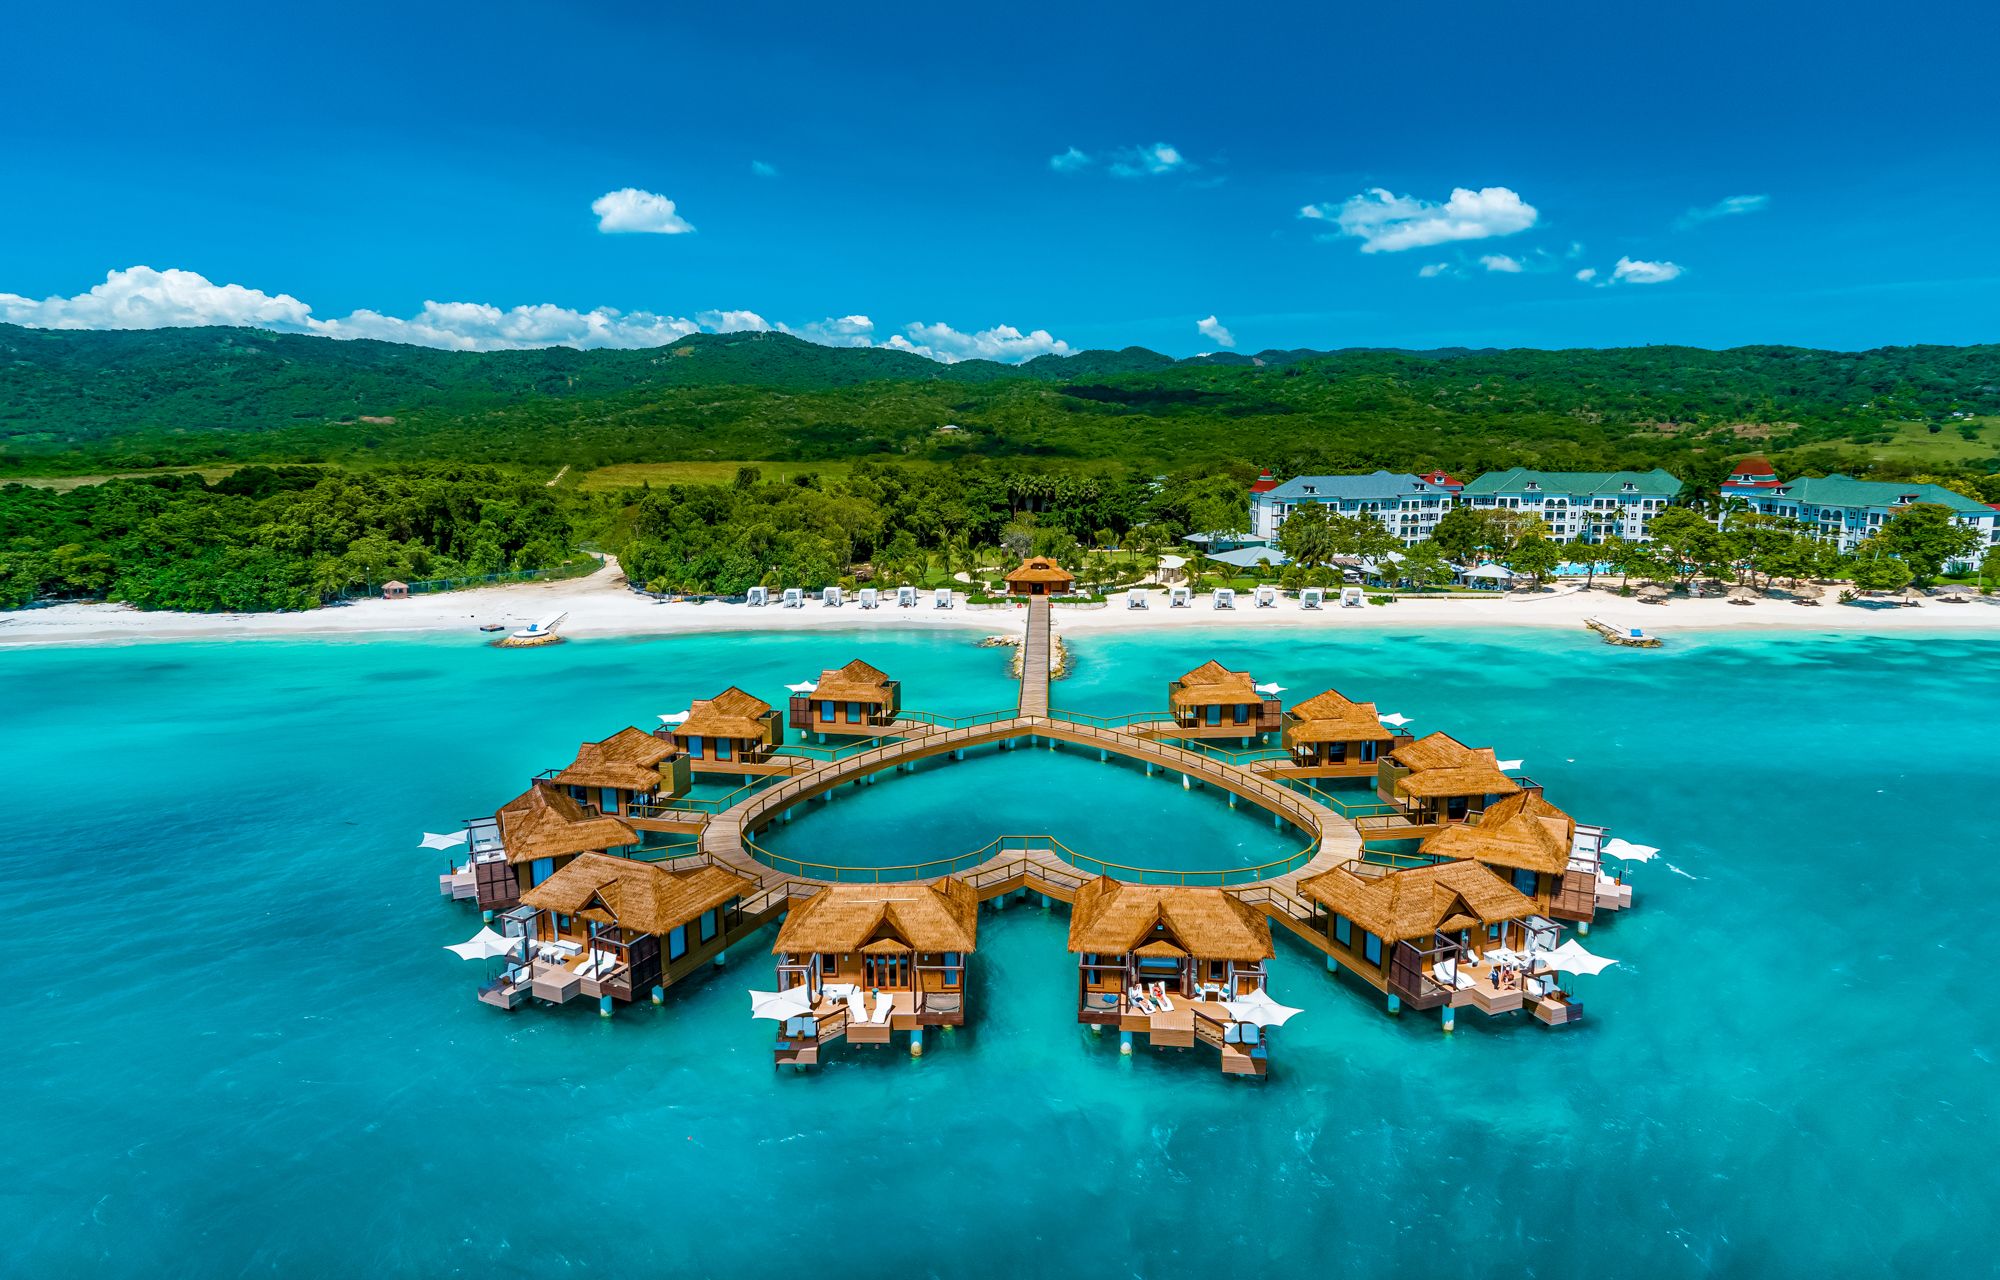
[[722, 748], [854, 713], [952, 972], [694, 745], [1371, 947], [539, 870], [1242, 713], [829, 964], [1368, 751], [1343, 932], [677, 943], [825, 710], [1218, 970], [707, 924], [1524, 880]]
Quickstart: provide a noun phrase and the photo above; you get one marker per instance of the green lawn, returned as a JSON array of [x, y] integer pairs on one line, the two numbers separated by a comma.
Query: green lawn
[[628, 475], [1914, 442]]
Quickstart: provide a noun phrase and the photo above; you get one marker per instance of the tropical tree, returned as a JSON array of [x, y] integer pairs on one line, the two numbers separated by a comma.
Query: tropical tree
[[1308, 534], [1535, 555], [1927, 536]]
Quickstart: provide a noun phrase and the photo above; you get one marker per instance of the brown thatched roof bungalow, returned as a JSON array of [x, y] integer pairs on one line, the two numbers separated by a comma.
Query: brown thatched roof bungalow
[[1040, 576], [1440, 779], [611, 928], [544, 822], [1113, 917], [856, 699], [875, 959], [629, 764], [733, 732], [1214, 701], [1330, 736], [1521, 832]]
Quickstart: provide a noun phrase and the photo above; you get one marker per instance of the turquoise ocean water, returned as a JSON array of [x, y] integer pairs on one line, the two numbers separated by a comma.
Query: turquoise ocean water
[[231, 1044]]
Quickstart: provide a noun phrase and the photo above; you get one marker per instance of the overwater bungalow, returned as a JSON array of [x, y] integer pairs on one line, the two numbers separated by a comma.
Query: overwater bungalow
[[1537, 848], [533, 836], [633, 775], [1446, 936], [611, 929], [855, 701], [1212, 701], [1040, 576], [875, 959], [732, 733], [1329, 736], [1434, 781], [1162, 960]]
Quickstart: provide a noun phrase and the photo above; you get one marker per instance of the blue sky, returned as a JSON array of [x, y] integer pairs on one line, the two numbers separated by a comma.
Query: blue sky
[[1810, 174]]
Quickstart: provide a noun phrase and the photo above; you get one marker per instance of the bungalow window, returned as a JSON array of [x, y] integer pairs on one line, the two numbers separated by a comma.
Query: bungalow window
[[1343, 931], [722, 748], [708, 924], [694, 745], [539, 870], [1336, 753], [1371, 947], [1242, 713], [829, 964], [826, 709], [677, 943], [1367, 751], [1218, 970], [607, 800], [952, 970], [1524, 880]]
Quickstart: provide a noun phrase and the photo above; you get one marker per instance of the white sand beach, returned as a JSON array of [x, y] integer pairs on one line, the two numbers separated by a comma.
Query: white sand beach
[[602, 605]]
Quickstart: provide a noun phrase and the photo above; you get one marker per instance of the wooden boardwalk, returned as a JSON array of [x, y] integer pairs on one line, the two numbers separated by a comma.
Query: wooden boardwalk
[[1035, 659]]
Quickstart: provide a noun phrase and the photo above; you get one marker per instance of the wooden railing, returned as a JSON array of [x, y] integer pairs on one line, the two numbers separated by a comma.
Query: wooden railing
[[1209, 1029], [1089, 865]]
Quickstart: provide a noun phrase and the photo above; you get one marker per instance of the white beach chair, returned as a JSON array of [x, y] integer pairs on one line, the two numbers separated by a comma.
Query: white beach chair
[[885, 1005], [1137, 995], [1160, 997], [857, 1004]]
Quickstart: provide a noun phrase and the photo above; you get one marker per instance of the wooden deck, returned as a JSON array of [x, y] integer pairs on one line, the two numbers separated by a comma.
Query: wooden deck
[[1035, 660]]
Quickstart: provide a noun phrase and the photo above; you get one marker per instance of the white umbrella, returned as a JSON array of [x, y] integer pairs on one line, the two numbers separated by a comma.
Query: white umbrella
[[678, 717], [1630, 852], [1260, 1008], [1173, 562], [803, 686], [1570, 957], [432, 840], [1270, 688], [1396, 718], [484, 945], [780, 1005], [1511, 766]]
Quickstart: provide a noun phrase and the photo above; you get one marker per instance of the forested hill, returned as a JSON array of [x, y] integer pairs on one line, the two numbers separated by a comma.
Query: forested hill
[[82, 400]]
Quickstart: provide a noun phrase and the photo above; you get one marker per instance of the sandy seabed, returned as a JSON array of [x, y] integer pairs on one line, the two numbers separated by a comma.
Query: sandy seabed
[[602, 605]]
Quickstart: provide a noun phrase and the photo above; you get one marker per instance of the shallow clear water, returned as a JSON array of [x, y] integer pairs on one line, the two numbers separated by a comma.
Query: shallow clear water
[[234, 1045]]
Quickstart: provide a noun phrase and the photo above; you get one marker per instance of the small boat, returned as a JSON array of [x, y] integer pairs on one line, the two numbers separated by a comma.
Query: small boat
[[493, 626]]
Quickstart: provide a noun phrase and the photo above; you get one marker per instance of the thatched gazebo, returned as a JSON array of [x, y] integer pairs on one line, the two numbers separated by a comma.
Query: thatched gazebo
[[1908, 597], [1653, 593], [1742, 595], [1807, 593], [1040, 576], [1954, 593]]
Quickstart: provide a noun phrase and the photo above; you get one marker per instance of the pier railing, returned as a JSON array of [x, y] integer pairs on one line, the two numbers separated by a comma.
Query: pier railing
[[1221, 877]]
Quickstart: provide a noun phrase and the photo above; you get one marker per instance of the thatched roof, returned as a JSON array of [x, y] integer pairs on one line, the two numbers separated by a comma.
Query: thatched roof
[[1523, 830], [855, 682], [940, 916], [1212, 684], [1441, 765], [1742, 593], [543, 822], [1417, 902], [1655, 589], [729, 714], [1113, 918], [1040, 569], [629, 758], [640, 896], [1329, 717]]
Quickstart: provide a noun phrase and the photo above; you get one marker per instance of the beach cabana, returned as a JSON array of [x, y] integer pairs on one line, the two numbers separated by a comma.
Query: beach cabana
[[941, 598], [868, 598], [795, 598], [1163, 960], [1040, 576], [1212, 701], [616, 929], [1443, 936], [830, 597], [1224, 598], [731, 733], [1533, 846], [1436, 780], [906, 597], [1329, 736], [1178, 597], [533, 836], [874, 959], [757, 597], [854, 701], [393, 590], [631, 775], [1311, 597]]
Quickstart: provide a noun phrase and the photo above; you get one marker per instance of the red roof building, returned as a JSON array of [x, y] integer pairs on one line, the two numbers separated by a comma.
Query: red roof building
[[1442, 480], [1755, 472], [1265, 482]]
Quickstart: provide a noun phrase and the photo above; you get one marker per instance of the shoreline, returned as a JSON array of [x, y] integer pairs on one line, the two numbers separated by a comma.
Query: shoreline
[[600, 605]]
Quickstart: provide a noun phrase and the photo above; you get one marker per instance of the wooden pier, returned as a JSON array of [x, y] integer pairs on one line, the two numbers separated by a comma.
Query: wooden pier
[[1630, 637]]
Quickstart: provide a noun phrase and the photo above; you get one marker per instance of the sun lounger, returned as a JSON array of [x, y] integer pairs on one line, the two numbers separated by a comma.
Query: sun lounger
[[885, 1004], [1138, 998], [857, 1005], [1160, 996]]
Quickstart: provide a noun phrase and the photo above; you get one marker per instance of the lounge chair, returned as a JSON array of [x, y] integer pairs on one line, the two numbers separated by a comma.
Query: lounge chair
[[1160, 996], [885, 1004], [857, 1005], [1137, 995]]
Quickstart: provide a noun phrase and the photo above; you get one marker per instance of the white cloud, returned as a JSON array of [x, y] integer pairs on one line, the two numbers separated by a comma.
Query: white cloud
[[1213, 330], [630, 209], [1587, 274], [836, 331], [1151, 161], [1432, 270], [1389, 223], [1069, 161], [142, 298], [1502, 263], [1635, 271], [763, 169], [1004, 342], [1727, 207]]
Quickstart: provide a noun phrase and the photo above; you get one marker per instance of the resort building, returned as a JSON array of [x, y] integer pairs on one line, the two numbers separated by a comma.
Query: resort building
[[1445, 936], [1040, 576], [1212, 701], [1842, 510], [1579, 506], [1164, 961], [630, 775], [1328, 736], [874, 959], [1443, 480], [1407, 506], [1536, 848], [856, 701], [534, 835], [731, 733], [610, 929], [1434, 781]]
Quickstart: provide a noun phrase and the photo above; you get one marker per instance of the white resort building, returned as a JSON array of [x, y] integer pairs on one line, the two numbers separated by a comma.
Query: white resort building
[[1579, 506], [1408, 506], [1843, 510]]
